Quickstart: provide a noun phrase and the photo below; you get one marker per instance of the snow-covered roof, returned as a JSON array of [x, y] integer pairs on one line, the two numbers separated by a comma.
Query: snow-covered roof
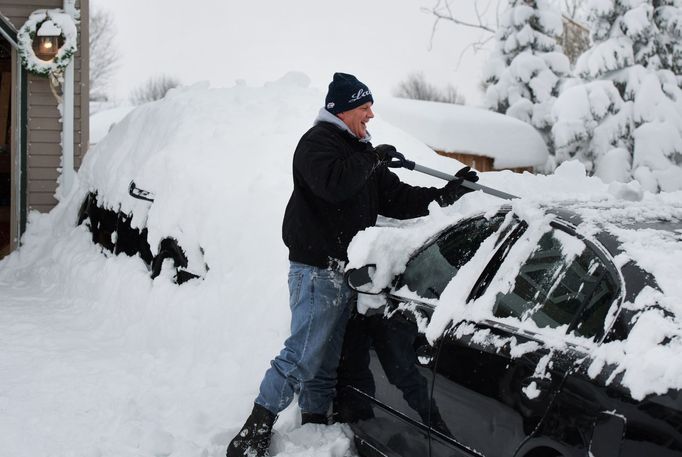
[[457, 128]]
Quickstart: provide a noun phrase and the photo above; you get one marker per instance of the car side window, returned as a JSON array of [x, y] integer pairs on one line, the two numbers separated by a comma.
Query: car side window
[[563, 283], [430, 271]]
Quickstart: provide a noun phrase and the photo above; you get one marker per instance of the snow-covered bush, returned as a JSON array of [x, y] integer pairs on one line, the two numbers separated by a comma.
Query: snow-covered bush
[[623, 117], [668, 20], [526, 68]]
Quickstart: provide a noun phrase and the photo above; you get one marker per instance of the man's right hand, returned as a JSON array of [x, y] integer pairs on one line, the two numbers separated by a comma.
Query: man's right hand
[[385, 152], [389, 156]]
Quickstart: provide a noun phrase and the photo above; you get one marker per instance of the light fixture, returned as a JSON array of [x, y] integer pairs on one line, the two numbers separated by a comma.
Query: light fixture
[[47, 41]]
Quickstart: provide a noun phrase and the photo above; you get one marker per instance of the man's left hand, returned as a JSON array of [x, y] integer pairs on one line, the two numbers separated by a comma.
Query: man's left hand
[[454, 189], [467, 174]]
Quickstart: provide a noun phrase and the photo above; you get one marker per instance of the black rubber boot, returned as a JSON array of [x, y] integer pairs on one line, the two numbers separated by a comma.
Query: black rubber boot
[[253, 440], [313, 418]]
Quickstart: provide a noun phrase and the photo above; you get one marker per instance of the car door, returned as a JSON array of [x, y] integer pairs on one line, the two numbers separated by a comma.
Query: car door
[[385, 380], [495, 379], [386, 371]]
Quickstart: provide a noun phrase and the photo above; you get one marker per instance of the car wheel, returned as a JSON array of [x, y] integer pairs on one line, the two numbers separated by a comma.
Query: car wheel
[[169, 249]]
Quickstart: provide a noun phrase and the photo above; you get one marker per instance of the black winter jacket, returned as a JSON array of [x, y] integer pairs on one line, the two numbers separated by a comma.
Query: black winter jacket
[[339, 189]]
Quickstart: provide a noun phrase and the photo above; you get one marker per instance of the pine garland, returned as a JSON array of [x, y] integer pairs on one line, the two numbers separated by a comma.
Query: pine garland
[[28, 33]]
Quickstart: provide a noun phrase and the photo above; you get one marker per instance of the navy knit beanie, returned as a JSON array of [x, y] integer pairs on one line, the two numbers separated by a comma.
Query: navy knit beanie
[[346, 93]]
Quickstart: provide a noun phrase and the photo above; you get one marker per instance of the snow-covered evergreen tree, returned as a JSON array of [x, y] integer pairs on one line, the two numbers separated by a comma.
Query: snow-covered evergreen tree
[[527, 65], [624, 118], [668, 20]]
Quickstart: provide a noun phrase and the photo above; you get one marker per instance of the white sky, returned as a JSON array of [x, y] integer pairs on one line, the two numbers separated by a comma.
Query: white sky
[[380, 41]]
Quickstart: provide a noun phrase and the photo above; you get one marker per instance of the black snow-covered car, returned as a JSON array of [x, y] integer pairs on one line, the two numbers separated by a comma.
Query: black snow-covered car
[[551, 371]]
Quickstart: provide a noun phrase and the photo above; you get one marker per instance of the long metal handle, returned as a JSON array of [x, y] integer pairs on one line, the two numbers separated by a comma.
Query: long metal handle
[[465, 183]]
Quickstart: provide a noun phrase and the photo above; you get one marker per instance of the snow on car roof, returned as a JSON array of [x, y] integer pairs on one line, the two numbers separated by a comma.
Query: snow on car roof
[[458, 128]]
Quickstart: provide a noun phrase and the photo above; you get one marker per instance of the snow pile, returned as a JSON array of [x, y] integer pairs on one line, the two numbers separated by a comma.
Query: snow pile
[[607, 207]]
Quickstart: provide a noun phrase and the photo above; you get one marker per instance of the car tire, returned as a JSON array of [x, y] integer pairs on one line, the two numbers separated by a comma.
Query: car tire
[[169, 249]]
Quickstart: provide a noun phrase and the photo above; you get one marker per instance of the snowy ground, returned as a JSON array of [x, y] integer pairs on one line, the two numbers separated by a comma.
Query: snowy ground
[[96, 359], [80, 380]]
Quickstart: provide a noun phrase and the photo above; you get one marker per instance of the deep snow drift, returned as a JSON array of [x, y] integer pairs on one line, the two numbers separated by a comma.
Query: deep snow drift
[[96, 359]]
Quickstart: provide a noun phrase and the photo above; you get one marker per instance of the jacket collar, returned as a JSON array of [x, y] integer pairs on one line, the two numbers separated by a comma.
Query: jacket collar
[[326, 116]]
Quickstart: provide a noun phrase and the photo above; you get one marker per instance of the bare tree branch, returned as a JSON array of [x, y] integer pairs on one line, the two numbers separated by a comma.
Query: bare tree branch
[[104, 57], [449, 17], [416, 87], [442, 11], [574, 41], [155, 88]]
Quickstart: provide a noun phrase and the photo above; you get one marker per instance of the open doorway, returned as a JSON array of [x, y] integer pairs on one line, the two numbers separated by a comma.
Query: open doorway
[[5, 147]]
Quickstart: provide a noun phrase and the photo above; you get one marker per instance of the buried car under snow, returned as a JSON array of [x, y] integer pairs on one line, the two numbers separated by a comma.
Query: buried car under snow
[[177, 181], [526, 331]]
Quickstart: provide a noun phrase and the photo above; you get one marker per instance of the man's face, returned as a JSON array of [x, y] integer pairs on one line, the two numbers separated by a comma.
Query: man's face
[[357, 119]]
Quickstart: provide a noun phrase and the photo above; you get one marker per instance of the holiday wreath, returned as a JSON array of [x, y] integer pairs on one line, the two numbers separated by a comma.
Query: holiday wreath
[[27, 34]]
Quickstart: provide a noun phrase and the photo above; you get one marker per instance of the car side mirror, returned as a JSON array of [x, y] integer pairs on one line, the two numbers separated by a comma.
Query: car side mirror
[[361, 280]]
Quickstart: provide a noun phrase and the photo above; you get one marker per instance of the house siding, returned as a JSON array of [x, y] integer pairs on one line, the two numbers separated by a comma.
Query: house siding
[[44, 120], [479, 162]]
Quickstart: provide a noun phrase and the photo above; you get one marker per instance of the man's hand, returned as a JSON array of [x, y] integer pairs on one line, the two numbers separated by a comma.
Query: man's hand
[[389, 156], [467, 174], [386, 152], [454, 189]]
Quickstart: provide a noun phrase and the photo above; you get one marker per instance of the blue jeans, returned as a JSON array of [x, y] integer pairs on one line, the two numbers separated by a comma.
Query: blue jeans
[[320, 303]]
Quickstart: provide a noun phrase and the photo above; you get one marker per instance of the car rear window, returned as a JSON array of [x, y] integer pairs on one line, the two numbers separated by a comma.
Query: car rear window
[[558, 287]]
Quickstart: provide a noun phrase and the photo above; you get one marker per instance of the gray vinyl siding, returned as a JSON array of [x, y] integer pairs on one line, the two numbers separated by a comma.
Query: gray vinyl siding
[[44, 126]]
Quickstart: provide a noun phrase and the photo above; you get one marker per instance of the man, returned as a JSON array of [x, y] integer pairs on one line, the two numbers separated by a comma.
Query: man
[[341, 184]]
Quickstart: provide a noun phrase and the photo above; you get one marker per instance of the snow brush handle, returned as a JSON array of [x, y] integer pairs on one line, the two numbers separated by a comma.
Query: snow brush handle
[[465, 183]]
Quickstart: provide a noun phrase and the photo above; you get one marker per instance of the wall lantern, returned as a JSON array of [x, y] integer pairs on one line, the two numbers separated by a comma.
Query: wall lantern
[[48, 40]]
